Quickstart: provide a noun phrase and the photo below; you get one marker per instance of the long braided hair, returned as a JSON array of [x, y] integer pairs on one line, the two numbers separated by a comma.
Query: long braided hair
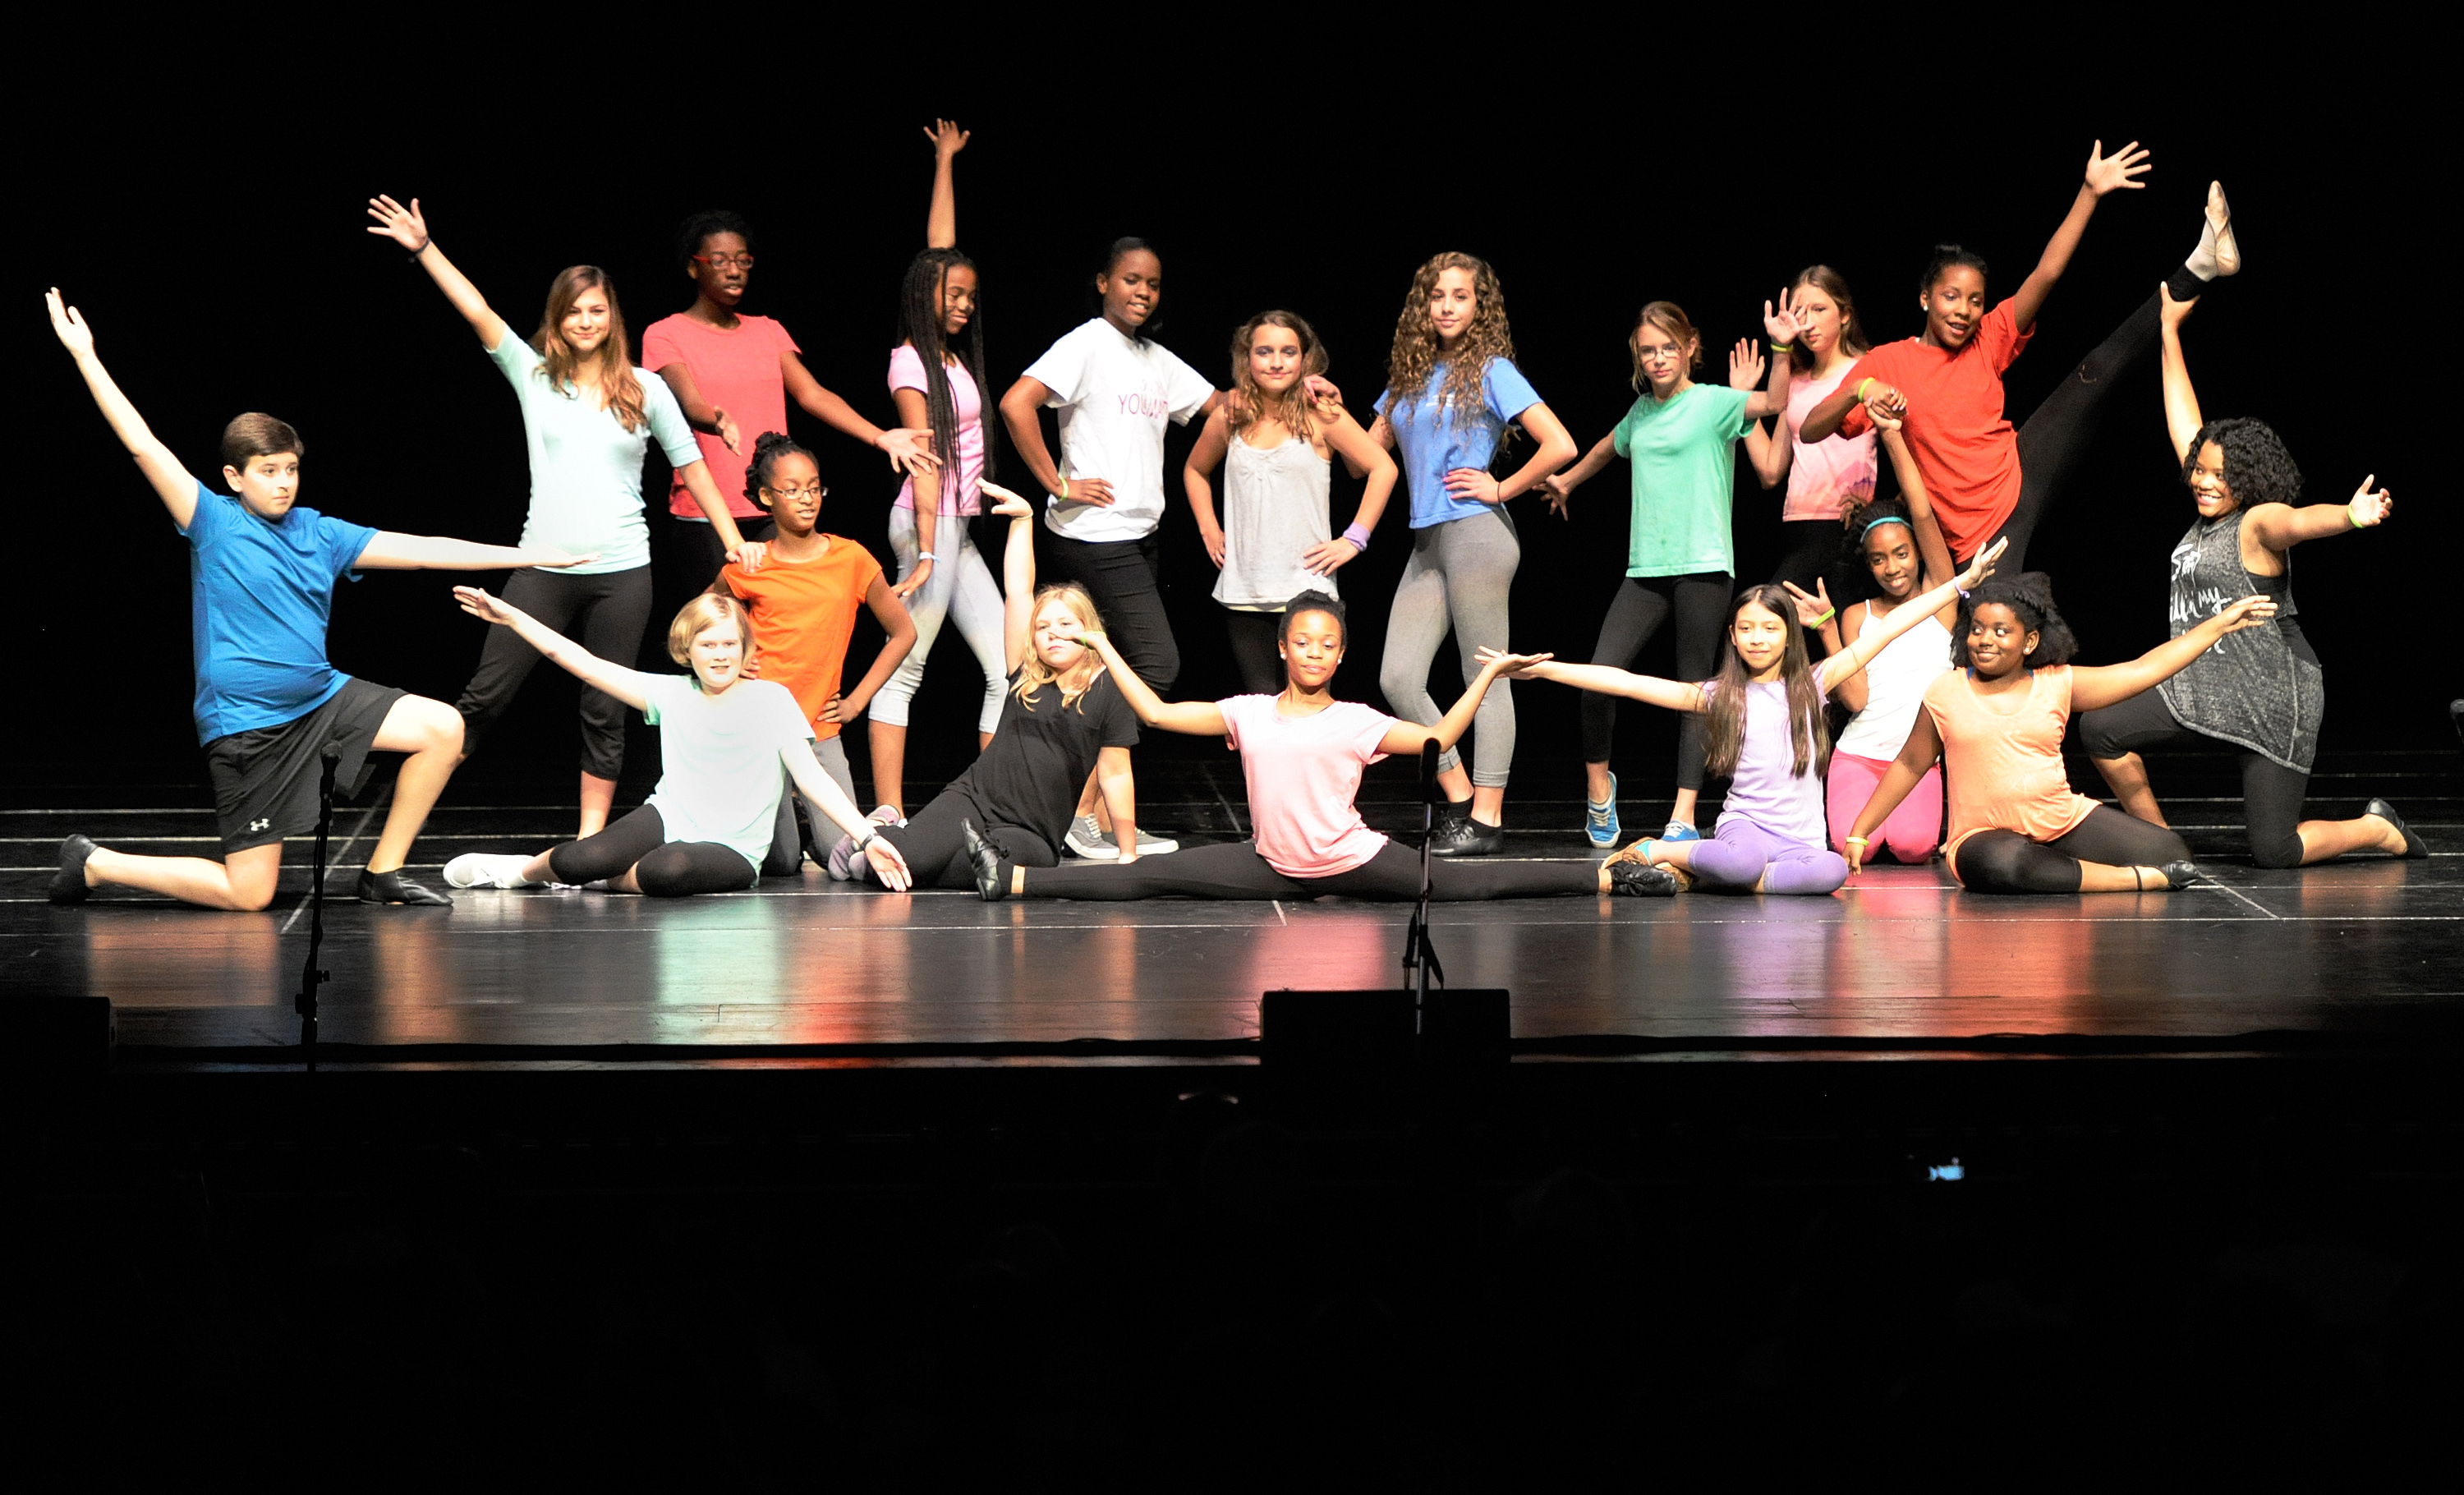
[[920, 326]]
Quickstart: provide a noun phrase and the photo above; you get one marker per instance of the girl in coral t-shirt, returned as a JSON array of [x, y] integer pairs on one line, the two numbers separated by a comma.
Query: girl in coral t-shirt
[[2016, 825], [1987, 478]]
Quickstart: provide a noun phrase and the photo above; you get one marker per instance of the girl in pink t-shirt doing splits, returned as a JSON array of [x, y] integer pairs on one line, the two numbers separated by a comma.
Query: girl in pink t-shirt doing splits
[[1766, 736], [937, 375], [1302, 752]]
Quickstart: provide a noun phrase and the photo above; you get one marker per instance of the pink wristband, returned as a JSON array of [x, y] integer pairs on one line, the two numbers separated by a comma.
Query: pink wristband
[[1358, 537]]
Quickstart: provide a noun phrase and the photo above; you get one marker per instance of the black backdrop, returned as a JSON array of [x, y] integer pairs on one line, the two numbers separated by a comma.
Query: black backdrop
[[218, 250]]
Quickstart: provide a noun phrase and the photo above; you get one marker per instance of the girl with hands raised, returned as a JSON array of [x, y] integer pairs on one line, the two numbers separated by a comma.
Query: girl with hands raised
[[589, 418], [2016, 826], [1681, 560], [2259, 694], [1302, 752], [1766, 736], [1275, 539], [1987, 478], [1825, 478], [1452, 392], [723, 739]]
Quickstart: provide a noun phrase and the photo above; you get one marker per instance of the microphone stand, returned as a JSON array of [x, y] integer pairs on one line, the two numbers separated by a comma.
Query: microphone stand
[[1420, 956], [310, 977]]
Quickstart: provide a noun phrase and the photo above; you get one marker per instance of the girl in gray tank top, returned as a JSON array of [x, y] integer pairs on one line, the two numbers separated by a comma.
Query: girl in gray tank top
[[1276, 537], [2260, 689]]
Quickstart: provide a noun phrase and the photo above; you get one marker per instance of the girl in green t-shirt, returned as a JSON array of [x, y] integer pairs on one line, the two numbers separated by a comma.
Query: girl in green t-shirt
[[1680, 439]]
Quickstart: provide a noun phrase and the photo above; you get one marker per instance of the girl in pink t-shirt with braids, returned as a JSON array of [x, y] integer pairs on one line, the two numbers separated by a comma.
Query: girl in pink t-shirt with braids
[[1303, 752]]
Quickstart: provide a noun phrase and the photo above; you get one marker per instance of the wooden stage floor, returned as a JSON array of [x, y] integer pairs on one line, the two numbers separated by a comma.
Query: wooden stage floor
[[801, 968]]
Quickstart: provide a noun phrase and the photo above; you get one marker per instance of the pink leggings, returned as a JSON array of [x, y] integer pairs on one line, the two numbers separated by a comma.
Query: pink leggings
[[1914, 829]]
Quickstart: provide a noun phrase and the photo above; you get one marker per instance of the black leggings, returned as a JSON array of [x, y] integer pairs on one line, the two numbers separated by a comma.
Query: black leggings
[[1643, 602], [936, 847], [1255, 636], [2053, 440], [1235, 871], [2004, 861], [664, 868], [613, 607], [2271, 793], [1120, 575]]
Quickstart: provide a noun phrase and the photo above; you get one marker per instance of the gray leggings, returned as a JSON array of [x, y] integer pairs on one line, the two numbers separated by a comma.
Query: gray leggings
[[786, 854], [1457, 577]]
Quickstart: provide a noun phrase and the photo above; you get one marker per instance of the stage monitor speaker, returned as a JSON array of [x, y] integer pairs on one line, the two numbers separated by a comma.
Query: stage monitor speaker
[[57, 1035], [1459, 1028]]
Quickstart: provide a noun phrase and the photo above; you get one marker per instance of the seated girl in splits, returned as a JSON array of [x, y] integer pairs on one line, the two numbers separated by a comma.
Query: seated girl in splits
[[2016, 825], [1063, 720], [708, 826], [1302, 752], [1765, 733]]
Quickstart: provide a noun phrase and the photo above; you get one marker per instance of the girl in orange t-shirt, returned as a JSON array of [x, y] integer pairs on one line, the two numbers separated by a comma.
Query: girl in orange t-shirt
[[803, 602], [2016, 823]]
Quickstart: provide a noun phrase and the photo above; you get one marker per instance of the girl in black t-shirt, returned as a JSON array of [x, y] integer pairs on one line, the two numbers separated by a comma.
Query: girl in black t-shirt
[[1063, 720]]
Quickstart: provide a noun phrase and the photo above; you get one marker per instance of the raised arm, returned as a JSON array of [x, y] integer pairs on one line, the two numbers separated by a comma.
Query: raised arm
[[2104, 174], [1874, 638], [1018, 575], [1933, 551], [1406, 738], [1362, 455], [172, 484], [630, 685], [2280, 526], [1766, 452], [941, 222], [1193, 718], [2182, 420], [1213, 439], [1916, 755], [408, 226], [1781, 324], [390, 551], [1650, 689], [907, 448], [2096, 686]]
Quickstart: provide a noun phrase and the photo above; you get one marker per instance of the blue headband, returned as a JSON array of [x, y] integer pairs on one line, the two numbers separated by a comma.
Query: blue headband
[[1888, 518]]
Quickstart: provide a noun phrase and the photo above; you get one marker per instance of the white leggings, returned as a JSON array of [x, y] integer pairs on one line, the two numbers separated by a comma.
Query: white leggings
[[960, 590]]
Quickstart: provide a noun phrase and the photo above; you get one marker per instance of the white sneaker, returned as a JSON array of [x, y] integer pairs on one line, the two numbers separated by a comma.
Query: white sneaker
[[482, 869], [1091, 841]]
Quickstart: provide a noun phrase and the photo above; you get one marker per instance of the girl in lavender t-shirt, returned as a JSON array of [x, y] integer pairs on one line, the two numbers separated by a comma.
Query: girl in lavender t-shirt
[[1767, 737]]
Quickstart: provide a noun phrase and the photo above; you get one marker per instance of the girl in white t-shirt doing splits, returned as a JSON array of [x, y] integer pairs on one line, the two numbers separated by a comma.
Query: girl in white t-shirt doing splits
[[588, 417], [1275, 540], [1452, 390], [1302, 752], [1825, 478], [937, 375], [1113, 388], [707, 826]]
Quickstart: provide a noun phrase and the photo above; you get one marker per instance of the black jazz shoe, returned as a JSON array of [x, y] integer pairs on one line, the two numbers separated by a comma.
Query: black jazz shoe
[[1642, 880], [2413, 845], [2178, 875], [1457, 834], [68, 885], [984, 859], [394, 888]]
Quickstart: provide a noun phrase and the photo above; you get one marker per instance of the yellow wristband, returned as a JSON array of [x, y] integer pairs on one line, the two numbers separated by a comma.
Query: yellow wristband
[[1862, 385], [1826, 617], [1858, 841], [1065, 490]]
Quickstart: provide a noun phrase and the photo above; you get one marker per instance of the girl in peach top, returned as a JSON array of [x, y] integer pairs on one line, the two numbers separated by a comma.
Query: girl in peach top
[[2016, 823]]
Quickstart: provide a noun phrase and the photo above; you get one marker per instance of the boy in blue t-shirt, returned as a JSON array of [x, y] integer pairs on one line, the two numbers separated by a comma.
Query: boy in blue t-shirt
[[268, 705]]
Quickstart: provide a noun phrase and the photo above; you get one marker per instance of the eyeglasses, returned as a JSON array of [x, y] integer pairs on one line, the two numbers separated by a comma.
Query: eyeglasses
[[817, 493], [722, 261]]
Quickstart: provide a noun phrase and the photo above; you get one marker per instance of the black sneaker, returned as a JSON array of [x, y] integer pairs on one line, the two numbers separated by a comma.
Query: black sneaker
[[394, 888], [1460, 835], [984, 861], [1642, 880]]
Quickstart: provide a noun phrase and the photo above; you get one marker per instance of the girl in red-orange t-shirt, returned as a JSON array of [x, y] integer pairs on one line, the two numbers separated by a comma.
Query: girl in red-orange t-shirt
[[1987, 477]]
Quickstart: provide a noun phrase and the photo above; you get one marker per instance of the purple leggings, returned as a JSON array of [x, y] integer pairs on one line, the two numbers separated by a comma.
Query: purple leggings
[[1739, 855]]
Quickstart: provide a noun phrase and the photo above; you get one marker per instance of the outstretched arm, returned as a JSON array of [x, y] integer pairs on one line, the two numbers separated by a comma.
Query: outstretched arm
[[2095, 686], [390, 551], [941, 222], [1650, 689], [1407, 737], [908, 448], [2104, 174], [832, 800], [2280, 526], [1877, 637], [630, 685], [1194, 719], [173, 485], [408, 226], [1916, 756]]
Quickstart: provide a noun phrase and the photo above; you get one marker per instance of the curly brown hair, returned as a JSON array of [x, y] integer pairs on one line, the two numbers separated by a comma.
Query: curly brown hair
[[1249, 404], [1415, 340]]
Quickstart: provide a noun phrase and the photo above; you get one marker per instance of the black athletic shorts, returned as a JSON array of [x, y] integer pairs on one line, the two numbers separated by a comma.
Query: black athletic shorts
[[265, 778]]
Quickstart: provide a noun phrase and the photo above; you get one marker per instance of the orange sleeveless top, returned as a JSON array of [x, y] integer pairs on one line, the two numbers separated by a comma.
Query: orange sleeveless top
[[2004, 768]]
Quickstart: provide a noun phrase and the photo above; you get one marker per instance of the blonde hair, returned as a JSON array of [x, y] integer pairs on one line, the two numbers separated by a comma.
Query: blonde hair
[[1670, 318], [707, 611], [618, 389], [1034, 674], [1417, 345], [1249, 404]]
